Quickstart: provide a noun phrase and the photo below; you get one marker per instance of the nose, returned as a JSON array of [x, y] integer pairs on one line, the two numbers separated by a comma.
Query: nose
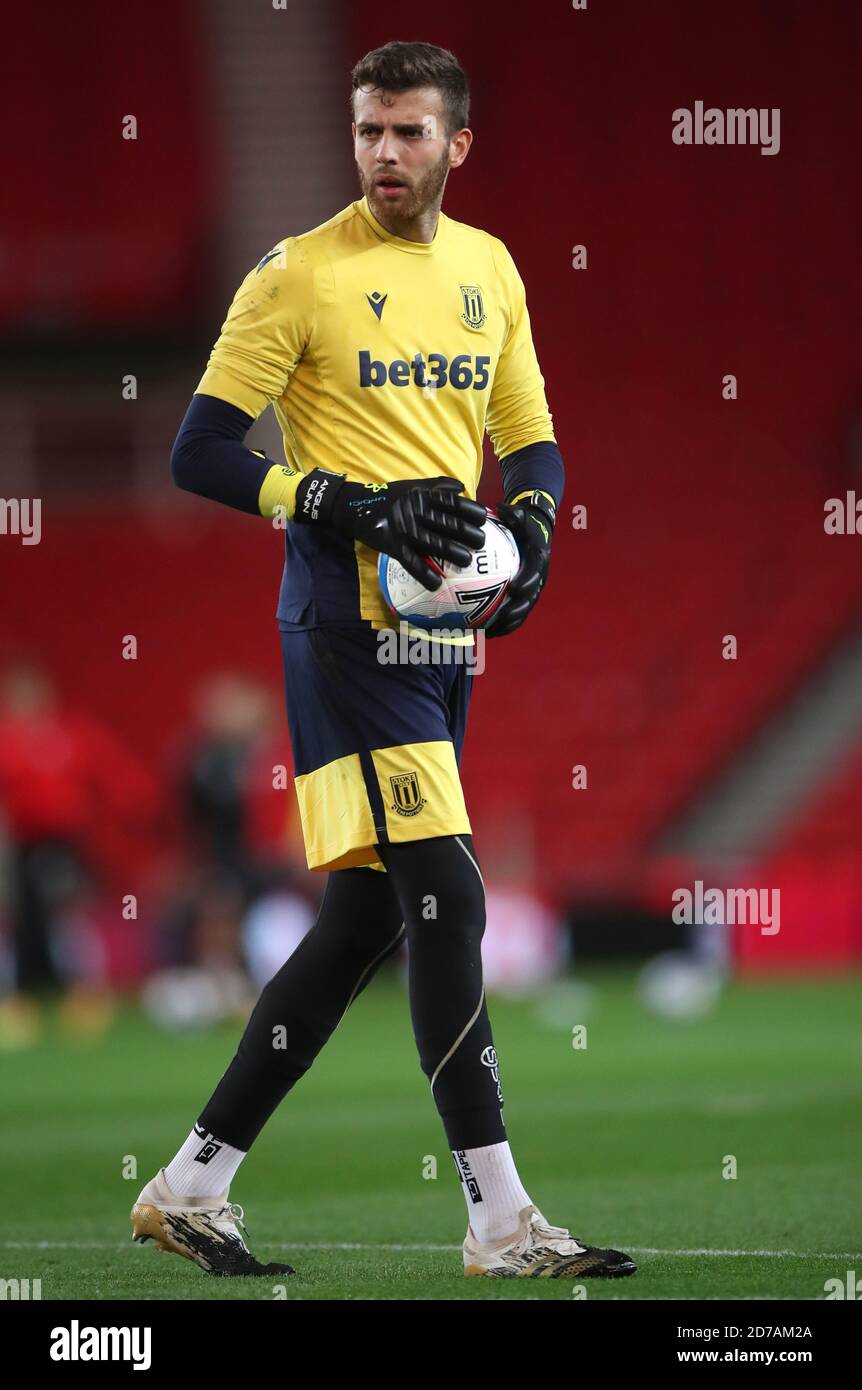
[[385, 149]]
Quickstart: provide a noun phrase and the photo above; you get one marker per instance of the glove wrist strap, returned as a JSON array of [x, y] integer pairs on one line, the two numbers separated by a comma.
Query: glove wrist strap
[[540, 502], [316, 497]]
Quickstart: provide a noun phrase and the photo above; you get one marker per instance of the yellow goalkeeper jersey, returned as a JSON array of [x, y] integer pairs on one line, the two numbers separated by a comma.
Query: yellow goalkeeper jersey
[[383, 359]]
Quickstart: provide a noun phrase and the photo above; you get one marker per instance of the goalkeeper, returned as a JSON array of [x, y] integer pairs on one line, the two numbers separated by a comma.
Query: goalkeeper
[[388, 340]]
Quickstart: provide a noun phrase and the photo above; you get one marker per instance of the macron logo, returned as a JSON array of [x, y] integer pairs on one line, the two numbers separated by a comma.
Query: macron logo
[[78, 1343], [377, 300]]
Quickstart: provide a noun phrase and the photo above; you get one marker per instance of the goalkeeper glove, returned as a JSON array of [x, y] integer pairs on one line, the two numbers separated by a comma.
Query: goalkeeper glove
[[411, 519], [531, 522]]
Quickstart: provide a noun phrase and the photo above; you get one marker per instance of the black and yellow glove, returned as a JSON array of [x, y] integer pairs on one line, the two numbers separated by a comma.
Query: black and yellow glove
[[411, 520], [531, 522]]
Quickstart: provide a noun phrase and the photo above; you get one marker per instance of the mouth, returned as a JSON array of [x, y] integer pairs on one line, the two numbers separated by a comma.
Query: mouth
[[390, 187]]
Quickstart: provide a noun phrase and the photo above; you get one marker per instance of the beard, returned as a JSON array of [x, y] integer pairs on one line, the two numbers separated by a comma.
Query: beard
[[418, 197]]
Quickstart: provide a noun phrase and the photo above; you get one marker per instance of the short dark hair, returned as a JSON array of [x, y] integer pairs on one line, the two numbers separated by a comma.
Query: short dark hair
[[397, 67]]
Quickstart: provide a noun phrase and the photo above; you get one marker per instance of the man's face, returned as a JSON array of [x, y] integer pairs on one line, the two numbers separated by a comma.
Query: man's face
[[402, 151]]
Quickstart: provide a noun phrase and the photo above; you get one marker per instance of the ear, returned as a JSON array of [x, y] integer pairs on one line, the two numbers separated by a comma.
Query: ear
[[459, 147]]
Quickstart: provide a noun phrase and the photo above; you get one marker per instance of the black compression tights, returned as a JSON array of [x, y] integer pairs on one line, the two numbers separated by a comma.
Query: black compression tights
[[432, 887]]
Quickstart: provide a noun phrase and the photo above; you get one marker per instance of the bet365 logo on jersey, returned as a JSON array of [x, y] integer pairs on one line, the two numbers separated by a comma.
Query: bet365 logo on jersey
[[464, 373]]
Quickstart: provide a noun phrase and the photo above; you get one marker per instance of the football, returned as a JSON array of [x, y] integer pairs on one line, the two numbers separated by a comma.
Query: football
[[468, 596]]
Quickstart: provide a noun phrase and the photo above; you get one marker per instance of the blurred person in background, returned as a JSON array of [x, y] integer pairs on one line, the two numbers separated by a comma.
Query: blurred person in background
[[234, 716], [525, 942], [237, 902], [69, 792], [226, 770]]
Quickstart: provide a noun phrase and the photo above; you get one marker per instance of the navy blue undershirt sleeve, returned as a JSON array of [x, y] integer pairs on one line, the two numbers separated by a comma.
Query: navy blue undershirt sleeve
[[210, 459], [536, 466]]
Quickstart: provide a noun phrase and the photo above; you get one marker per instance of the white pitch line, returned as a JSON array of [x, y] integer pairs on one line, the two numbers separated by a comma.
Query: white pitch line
[[60, 1245], [271, 1245], [441, 1249], [777, 1254]]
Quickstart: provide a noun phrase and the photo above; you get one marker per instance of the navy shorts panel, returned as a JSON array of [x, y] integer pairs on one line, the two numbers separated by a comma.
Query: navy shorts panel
[[341, 699]]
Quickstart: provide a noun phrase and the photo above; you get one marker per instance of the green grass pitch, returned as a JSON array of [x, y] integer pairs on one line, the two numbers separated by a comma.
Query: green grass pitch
[[623, 1142]]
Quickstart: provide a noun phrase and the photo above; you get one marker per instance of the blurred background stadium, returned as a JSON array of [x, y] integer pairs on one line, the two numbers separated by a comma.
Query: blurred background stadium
[[147, 856]]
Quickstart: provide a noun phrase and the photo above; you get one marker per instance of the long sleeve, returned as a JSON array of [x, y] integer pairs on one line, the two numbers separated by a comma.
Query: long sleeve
[[535, 468], [262, 339], [518, 411]]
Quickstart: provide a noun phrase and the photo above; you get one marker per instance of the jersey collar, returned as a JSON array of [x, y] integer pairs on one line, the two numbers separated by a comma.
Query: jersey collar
[[415, 248]]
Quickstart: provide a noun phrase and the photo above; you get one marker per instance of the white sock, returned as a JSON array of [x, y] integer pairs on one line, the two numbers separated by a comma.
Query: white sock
[[203, 1167], [492, 1189]]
